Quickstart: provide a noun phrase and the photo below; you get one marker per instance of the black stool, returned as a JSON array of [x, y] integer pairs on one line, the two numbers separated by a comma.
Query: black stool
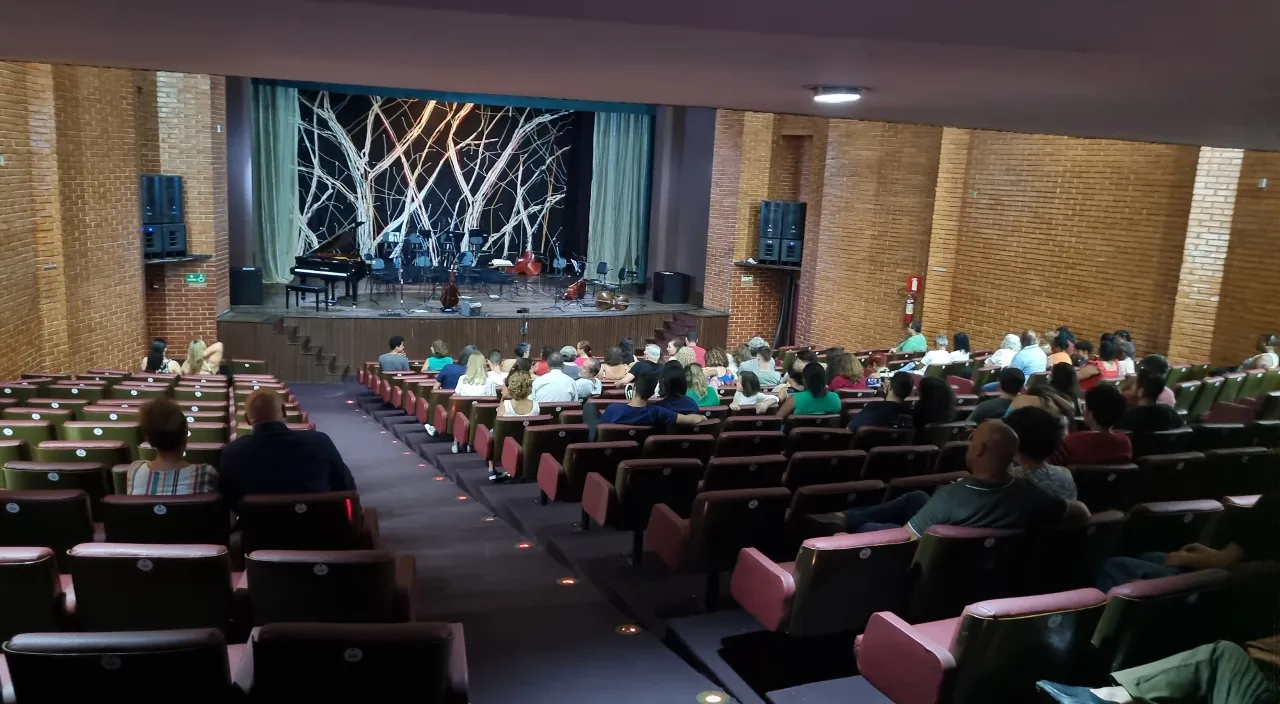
[[321, 294]]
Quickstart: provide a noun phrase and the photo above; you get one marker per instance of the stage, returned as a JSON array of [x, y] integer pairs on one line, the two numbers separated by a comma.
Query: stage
[[301, 344]]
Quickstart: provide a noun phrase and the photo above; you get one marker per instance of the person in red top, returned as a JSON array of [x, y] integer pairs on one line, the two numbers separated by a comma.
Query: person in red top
[[1106, 366], [691, 341], [541, 367], [1105, 405], [844, 371]]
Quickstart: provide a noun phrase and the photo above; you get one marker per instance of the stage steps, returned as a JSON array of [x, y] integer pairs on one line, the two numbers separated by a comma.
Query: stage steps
[[676, 326], [316, 365]]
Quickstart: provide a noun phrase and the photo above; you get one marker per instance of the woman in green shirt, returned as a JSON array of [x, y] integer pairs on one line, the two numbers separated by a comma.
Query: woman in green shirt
[[699, 390], [439, 357], [816, 399]]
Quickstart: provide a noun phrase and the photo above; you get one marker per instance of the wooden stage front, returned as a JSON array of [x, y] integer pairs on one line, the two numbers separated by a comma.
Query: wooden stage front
[[302, 345]]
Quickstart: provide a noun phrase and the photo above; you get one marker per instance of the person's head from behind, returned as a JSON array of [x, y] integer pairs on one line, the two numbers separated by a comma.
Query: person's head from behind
[[691, 337], [495, 358], [583, 348], [875, 362], [546, 352], [1124, 336], [1011, 381], [396, 344], [1104, 406], [590, 369], [900, 385], [742, 353], [1059, 343], [1039, 434], [264, 406], [1029, 338], [673, 383], [695, 379], [763, 353], [936, 404], [913, 328], [749, 383], [674, 345], [815, 379], [1267, 342], [1011, 342], [653, 353], [842, 365], [756, 343], [1106, 337], [464, 357], [992, 447], [522, 350], [1156, 364], [555, 361], [685, 356], [716, 357], [195, 352], [940, 342], [1107, 351], [439, 348], [961, 342], [1126, 350], [155, 357], [1062, 377], [164, 426], [613, 356], [477, 370], [519, 384], [1084, 348], [795, 378], [646, 385], [1150, 386], [627, 346], [568, 353]]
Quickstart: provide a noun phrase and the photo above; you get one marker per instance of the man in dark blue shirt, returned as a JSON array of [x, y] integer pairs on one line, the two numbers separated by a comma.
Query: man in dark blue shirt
[[277, 460], [885, 414], [638, 410], [455, 370]]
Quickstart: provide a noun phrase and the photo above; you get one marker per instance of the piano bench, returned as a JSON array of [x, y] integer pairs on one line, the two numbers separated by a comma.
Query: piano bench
[[321, 294]]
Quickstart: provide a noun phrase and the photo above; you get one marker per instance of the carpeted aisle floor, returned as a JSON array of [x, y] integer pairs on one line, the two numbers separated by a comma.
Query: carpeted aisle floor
[[529, 639]]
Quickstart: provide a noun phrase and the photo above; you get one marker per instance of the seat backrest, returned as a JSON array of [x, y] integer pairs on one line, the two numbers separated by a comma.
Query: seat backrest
[[549, 439], [1209, 390], [805, 468], [1169, 477], [957, 565], [747, 472], [57, 416], [827, 498], [1106, 486], [841, 580], [817, 439], [891, 462], [796, 420], [1238, 471], [1217, 436], [1150, 619], [752, 422], [187, 665], [615, 432], [1265, 433], [724, 522], [91, 477], [32, 595], [927, 483], [583, 458], [940, 434], [106, 452], [1232, 383], [100, 412], [698, 447], [174, 520], [1167, 526], [1071, 558], [32, 431], [58, 520], [133, 586], [750, 443], [321, 521], [353, 662], [1003, 646], [643, 484], [322, 586], [870, 437]]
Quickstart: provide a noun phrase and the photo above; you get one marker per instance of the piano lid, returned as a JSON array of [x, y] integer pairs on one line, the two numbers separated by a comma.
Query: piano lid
[[342, 243]]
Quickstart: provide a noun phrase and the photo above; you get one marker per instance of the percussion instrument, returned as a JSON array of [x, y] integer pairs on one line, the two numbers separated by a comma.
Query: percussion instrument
[[611, 300]]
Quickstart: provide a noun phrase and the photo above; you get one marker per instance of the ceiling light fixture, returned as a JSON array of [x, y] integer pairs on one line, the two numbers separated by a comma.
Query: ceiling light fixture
[[712, 697], [834, 95]]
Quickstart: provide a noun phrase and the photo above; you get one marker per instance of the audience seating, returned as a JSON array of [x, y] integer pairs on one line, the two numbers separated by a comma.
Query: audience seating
[[329, 586], [614, 432], [1107, 486], [98, 412], [627, 502], [939, 434], [834, 585], [1216, 436], [806, 468], [891, 462], [193, 519], [1150, 619], [927, 483], [322, 521], [1240, 470], [868, 438], [538, 440], [563, 480], [747, 472], [951, 457], [994, 651], [90, 477], [817, 439], [32, 432], [959, 565], [1165, 442], [57, 416], [1071, 557], [699, 447], [490, 444], [748, 443], [1172, 477], [1167, 526], [795, 421], [195, 452], [412, 662], [58, 520], [755, 423], [105, 452], [33, 600], [1210, 387]]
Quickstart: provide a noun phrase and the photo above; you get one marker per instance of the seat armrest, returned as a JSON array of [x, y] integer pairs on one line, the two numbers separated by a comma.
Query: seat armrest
[[242, 672], [903, 664], [441, 419], [484, 442], [668, 535], [549, 469], [511, 456], [599, 497], [406, 569], [763, 588], [370, 532], [458, 676]]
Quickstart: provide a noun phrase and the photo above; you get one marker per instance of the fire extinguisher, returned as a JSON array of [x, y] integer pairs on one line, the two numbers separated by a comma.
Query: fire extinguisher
[[910, 312]]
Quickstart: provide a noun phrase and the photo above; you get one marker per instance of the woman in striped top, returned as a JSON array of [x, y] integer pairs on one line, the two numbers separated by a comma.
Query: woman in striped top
[[165, 428]]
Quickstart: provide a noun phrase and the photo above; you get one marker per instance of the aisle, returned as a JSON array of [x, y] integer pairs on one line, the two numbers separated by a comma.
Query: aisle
[[529, 638]]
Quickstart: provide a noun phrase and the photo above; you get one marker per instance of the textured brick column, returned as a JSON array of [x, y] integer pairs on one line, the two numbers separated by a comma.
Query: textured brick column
[[948, 208], [1204, 254]]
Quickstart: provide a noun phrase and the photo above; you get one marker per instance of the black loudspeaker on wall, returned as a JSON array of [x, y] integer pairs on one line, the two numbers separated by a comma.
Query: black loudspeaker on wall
[[151, 199], [781, 232], [246, 286], [171, 199], [671, 287]]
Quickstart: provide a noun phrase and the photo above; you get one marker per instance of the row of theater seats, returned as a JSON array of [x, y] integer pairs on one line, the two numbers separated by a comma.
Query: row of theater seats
[[185, 601]]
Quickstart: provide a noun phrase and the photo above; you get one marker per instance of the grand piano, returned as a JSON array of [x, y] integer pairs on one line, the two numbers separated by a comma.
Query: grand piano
[[336, 259]]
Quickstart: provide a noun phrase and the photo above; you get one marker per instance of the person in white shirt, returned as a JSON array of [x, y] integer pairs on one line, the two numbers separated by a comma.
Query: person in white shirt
[[476, 381], [937, 355], [1009, 347], [960, 350], [749, 394], [588, 382], [1127, 352], [555, 386], [496, 375]]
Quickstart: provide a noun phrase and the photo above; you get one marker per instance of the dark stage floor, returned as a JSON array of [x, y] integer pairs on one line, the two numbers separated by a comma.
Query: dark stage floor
[[541, 298]]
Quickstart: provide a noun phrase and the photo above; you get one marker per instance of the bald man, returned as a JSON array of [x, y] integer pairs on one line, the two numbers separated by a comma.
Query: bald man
[[989, 498], [277, 460]]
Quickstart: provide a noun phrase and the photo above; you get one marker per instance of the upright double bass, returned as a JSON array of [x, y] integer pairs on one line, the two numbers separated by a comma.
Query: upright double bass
[[449, 297]]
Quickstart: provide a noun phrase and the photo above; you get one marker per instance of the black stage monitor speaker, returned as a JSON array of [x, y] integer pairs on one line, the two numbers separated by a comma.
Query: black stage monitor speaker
[[792, 251], [770, 219], [672, 287], [246, 286], [171, 199], [769, 250], [174, 237], [151, 199], [152, 243], [792, 220]]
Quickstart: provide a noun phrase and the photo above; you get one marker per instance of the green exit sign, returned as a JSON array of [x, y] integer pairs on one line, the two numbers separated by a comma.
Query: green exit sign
[[195, 279]]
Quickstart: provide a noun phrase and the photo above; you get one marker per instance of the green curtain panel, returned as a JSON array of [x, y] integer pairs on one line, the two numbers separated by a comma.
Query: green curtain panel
[[619, 215], [275, 180]]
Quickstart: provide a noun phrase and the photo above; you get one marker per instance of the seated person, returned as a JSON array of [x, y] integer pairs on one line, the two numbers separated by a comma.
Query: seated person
[[960, 347], [476, 381], [673, 389], [990, 498], [914, 341], [717, 365], [891, 412], [761, 359], [540, 367], [844, 371], [1058, 353], [521, 352], [674, 345], [628, 349], [1011, 381], [569, 355], [936, 403], [700, 391], [453, 371], [638, 411], [1157, 364], [277, 460], [691, 341], [583, 349], [614, 369], [202, 358], [1106, 366], [1084, 353], [1214, 673], [1266, 357], [1062, 380], [684, 356], [554, 386], [588, 382], [164, 427], [937, 355], [1128, 365], [439, 358], [394, 360], [1039, 435], [648, 365], [815, 399], [157, 361], [748, 394], [496, 373], [1150, 416], [518, 401], [1104, 407], [1009, 346]]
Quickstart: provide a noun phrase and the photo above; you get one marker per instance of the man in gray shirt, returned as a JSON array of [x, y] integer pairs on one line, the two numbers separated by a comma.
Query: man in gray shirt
[[395, 360]]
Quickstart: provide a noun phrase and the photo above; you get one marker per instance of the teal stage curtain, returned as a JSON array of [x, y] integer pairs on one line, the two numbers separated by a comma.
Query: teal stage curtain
[[275, 180], [619, 216]]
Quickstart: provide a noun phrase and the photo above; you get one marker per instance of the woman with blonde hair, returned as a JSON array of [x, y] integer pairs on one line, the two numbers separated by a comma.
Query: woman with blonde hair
[[845, 372], [685, 357], [699, 390], [518, 403], [717, 363], [476, 381], [202, 358]]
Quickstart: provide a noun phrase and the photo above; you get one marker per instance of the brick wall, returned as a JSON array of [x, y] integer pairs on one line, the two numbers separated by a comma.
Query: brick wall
[[1249, 305]]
